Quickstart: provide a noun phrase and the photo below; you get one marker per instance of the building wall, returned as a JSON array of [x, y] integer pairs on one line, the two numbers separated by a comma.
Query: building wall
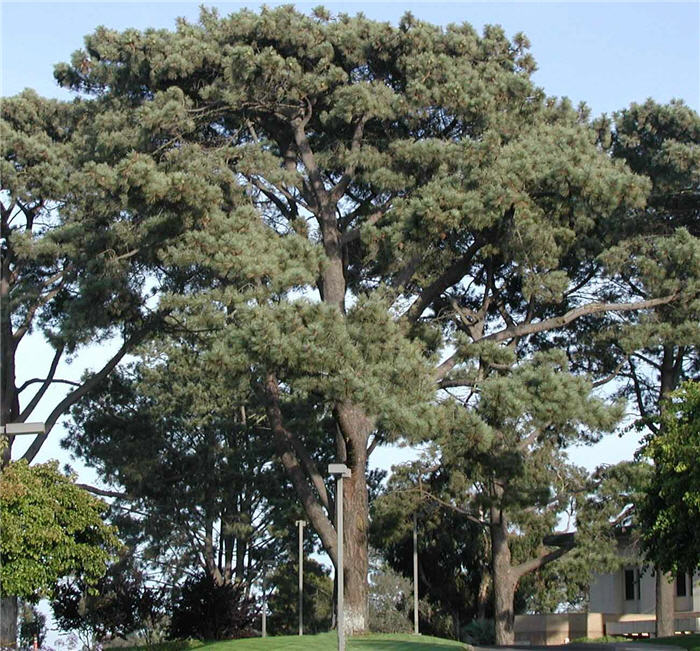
[[607, 593]]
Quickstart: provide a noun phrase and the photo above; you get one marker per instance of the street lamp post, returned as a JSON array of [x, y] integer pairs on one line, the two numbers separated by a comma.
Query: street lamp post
[[415, 574], [300, 524], [339, 471], [264, 599]]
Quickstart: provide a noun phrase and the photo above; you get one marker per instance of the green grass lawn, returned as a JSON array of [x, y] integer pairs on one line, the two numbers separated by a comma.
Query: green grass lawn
[[328, 642], [686, 641], [691, 642]]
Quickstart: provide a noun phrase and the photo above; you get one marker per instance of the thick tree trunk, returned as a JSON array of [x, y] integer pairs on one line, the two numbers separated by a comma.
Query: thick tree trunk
[[356, 428], [504, 582], [665, 607], [8, 622]]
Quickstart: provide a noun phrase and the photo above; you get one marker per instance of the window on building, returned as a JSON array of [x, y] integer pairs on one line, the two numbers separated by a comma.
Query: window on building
[[630, 585], [681, 585]]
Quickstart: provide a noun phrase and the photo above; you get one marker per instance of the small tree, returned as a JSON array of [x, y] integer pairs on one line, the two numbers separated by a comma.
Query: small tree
[[283, 601], [51, 528], [670, 512], [32, 626], [390, 599]]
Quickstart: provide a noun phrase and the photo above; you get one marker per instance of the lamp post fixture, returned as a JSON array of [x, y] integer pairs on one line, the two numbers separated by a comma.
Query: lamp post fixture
[[18, 429], [300, 524], [15, 429], [339, 471]]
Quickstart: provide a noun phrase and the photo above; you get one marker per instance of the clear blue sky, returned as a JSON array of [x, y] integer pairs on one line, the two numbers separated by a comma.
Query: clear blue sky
[[606, 53]]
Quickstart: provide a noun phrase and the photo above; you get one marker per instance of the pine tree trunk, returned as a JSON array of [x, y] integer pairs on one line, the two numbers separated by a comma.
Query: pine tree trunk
[[356, 561], [8, 622], [665, 607], [356, 428], [503, 580]]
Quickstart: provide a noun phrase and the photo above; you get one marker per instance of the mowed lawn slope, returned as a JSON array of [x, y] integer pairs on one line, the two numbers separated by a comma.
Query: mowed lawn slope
[[329, 641]]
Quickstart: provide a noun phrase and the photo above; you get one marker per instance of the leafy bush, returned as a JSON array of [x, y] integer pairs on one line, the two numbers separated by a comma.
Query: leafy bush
[[205, 610], [120, 605], [479, 631], [389, 601]]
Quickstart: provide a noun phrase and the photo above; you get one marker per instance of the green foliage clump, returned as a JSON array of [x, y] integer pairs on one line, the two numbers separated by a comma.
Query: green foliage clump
[[283, 601], [390, 600], [51, 528], [670, 513]]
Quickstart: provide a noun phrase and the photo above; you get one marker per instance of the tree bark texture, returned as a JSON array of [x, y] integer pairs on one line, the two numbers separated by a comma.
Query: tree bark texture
[[665, 607], [8, 622], [504, 581], [356, 428]]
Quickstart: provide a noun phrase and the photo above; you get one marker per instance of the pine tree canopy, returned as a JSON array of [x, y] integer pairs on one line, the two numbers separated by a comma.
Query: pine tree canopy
[[367, 216]]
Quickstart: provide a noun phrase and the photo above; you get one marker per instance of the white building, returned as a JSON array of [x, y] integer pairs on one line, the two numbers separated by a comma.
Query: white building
[[630, 593], [621, 603]]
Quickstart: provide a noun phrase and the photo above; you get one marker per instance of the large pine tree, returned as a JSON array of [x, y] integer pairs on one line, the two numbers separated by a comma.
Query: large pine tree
[[424, 200]]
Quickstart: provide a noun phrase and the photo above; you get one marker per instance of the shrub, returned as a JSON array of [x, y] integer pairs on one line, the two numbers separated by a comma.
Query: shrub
[[205, 610]]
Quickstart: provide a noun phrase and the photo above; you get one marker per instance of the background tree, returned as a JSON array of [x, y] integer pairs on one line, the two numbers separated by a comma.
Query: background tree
[[32, 626], [284, 594], [84, 216], [433, 201], [652, 353], [669, 514], [507, 469], [187, 454], [390, 600], [453, 551], [51, 528]]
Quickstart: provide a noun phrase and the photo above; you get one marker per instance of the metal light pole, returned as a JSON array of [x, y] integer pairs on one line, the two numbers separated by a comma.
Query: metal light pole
[[415, 574], [300, 524], [264, 601], [339, 470]]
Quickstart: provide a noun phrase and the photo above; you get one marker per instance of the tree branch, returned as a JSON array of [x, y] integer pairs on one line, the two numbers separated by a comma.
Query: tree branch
[[339, 189], [42, 390], [101, 491], [536, 563], [288, 457], [554, 323], [452, 275], [84, 388], [612, 375]]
